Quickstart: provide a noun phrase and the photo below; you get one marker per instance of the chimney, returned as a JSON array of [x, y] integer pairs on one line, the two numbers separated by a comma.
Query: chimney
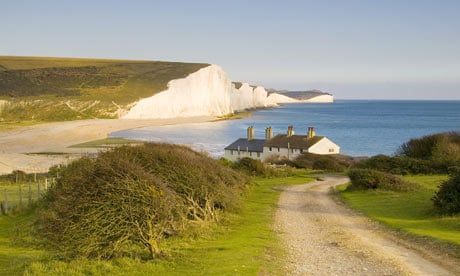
[[250, 133], [311, 132], [290, 131], [268, 133]]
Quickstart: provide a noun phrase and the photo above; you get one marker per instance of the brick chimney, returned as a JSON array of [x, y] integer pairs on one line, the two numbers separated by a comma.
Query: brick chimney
[[250, 133], [311, 132], [290, 131], [268, 133]]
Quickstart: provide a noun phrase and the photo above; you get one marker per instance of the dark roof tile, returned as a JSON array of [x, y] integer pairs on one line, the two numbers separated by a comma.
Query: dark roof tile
[[255, 145], [295, 141]]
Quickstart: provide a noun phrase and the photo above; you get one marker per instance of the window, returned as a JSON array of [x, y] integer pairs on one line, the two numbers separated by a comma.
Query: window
[[250, 153], [331, 150], [270, 148], [301, 150], [231, 152], [258, 154], [278, 149]]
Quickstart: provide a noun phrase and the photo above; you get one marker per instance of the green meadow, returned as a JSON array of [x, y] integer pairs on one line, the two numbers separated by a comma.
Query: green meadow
[[41, 89], [411, 212]]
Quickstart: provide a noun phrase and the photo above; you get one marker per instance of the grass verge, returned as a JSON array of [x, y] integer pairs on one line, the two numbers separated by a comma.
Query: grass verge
[[243, 244], [107, 143], [410, 212]]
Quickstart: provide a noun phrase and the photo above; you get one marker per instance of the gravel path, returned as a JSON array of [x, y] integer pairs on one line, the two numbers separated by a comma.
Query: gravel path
[[323, 237]]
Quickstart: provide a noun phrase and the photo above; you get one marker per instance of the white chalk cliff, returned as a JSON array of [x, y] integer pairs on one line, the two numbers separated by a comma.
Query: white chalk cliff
[[206, 92], [321, 99]]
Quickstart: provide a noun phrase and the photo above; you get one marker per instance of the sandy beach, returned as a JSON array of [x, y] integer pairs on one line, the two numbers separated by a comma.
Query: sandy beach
[[17, 146]]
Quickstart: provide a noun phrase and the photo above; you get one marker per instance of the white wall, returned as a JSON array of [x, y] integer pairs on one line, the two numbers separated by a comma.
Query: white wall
[[235, 156], [282, 152], [324, 146]]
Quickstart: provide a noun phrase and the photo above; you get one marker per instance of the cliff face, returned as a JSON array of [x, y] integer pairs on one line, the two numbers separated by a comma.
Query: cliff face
[[321, 99], [207, 92], [311, 96]]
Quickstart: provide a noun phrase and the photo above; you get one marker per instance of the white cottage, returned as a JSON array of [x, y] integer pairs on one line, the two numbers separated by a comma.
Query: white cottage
[[286, 145]]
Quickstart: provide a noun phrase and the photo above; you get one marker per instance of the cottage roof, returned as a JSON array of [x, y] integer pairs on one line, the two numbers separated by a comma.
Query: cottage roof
[[295, 141], [254, 145]]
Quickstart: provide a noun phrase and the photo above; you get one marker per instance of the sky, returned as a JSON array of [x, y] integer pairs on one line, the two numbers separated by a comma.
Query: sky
[[405, 49]]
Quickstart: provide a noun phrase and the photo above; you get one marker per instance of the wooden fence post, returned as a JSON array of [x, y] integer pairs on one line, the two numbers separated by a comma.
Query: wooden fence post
[[46, 184], [38, 189], [5, 204], [20, 196], [30, 194]]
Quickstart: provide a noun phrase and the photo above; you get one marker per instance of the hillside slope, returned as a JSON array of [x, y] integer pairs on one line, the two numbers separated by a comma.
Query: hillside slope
[[36, 89], [54, 89]]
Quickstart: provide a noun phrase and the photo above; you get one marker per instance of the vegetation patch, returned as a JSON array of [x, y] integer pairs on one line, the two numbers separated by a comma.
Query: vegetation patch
[[134, 197], [110, 142], [364, 179], [431, 154], [252, 167], [330, 163], [447, 198], [399, 165]]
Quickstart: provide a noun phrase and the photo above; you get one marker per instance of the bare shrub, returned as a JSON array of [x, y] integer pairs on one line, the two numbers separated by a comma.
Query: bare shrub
[[134, 197]]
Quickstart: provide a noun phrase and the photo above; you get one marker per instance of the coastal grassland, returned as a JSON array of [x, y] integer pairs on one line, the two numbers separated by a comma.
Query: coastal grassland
[[244, 243], [10, 125], [107, 143], [16, 255], [59, 89], [235, 116], [20, 194], [411, 212]]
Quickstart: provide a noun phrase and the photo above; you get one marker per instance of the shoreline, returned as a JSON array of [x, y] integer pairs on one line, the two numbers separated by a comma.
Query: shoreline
[[17, 146]]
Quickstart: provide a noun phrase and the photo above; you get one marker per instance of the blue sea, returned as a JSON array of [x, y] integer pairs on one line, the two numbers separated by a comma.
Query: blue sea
[[360, 127]]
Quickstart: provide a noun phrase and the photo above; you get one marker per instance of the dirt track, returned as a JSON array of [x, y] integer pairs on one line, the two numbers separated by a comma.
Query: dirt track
[[323, 237]]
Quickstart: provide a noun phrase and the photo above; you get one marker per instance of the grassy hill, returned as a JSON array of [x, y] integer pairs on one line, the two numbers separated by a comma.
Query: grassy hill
[[54, 89]]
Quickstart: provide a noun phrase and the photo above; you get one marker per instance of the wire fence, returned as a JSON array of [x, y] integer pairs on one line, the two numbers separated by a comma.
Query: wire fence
[[16, 196]]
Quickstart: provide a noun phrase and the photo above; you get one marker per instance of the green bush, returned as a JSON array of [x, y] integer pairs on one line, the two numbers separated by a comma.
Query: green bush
[[333, 163], [365, 179], [399, 165], [447, 198], [134, 197], [440, 146], [252, 167]]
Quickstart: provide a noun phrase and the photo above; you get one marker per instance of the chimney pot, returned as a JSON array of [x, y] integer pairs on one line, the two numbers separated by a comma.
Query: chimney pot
[[268, 133], [250, 133], [311, 132], [290, 131]]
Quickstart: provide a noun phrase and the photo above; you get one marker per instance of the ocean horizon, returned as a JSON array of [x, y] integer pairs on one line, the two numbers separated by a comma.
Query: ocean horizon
[[360, 127]]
